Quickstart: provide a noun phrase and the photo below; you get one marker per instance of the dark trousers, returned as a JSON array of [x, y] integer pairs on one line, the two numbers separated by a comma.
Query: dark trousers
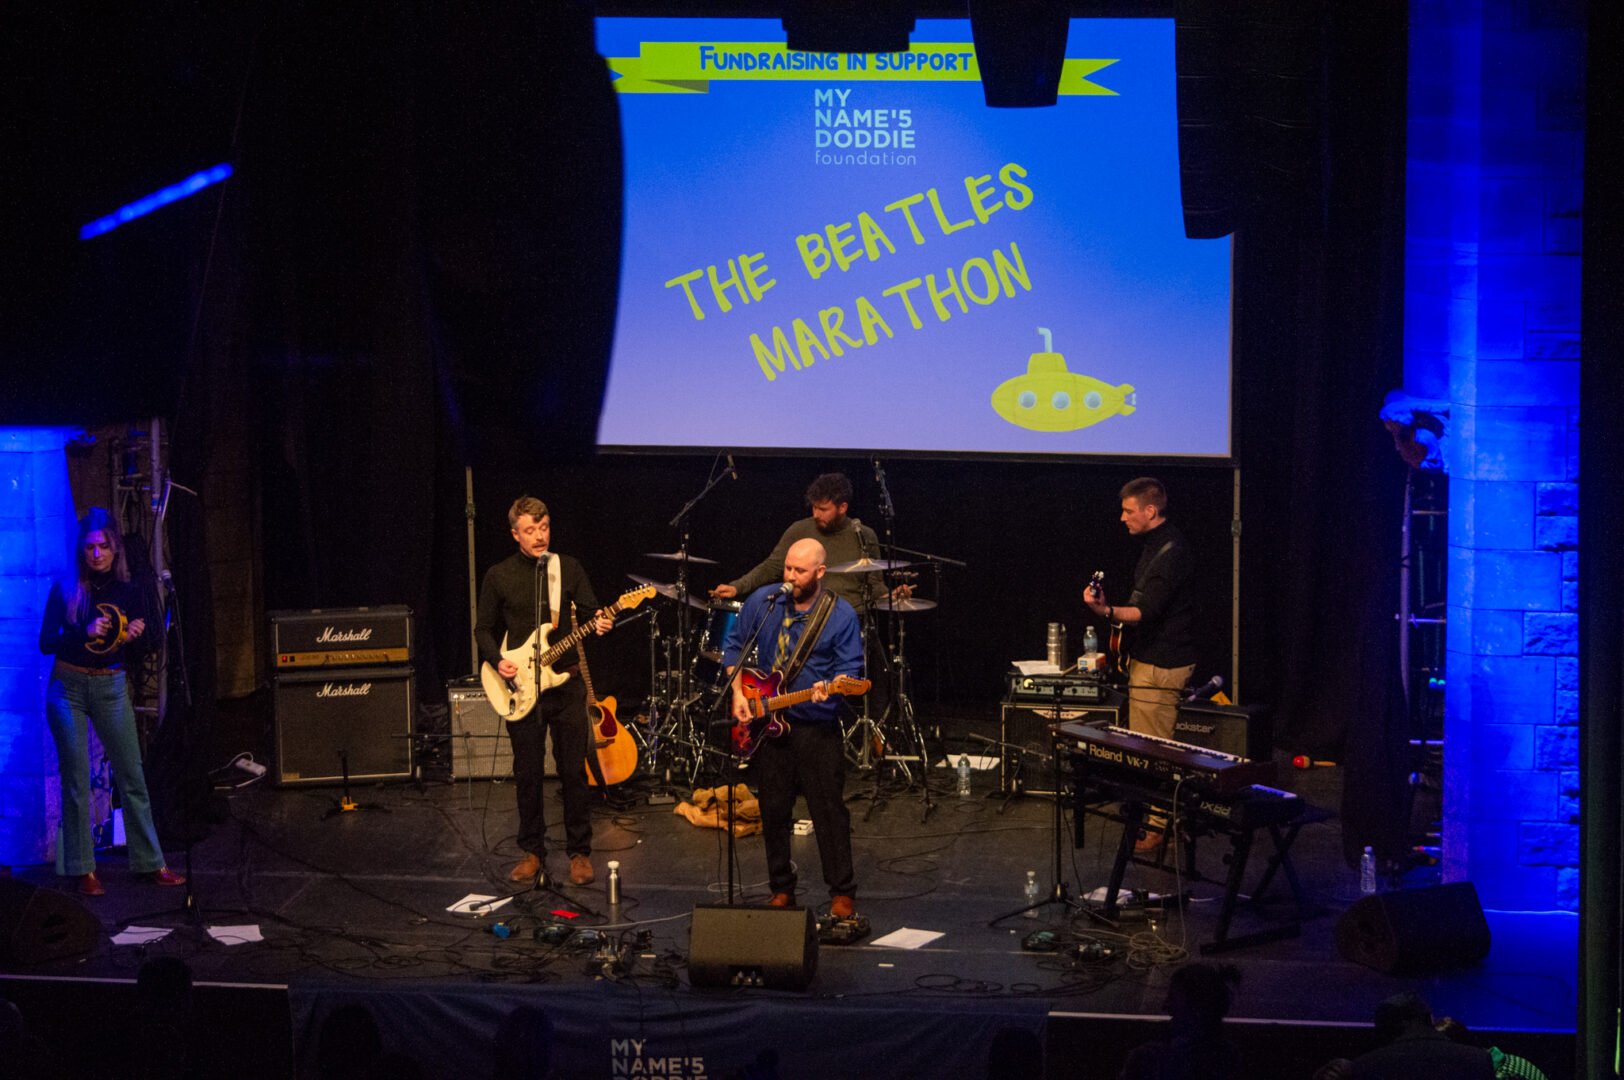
[[808, 761], [561, 710]]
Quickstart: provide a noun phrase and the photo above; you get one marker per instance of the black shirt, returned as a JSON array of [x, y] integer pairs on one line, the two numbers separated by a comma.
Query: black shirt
[[1163, 591], [61, 638], [507, 601]]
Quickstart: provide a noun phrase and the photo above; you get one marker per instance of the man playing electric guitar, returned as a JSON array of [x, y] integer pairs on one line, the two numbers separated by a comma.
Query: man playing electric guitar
[[811, 636], [531, 587], [1161, 612]]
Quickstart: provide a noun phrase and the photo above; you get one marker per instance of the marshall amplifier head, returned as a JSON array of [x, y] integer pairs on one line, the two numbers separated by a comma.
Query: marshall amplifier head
[[342, 637]]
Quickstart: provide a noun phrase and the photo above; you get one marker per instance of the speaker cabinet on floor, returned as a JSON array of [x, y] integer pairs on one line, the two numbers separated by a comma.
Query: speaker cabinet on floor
[[1413, 931], [362, 717], [479, 740], [1027, 726], [752, 946], [1241, 731], [38, 925]]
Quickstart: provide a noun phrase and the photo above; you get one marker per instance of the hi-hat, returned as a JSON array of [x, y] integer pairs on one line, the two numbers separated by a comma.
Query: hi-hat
[[864, 566], [678, 556], [670, 591], [902, 604]]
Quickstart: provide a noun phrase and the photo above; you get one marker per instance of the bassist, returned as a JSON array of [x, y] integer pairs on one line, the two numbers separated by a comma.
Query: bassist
[[809, 759], [530, 587]]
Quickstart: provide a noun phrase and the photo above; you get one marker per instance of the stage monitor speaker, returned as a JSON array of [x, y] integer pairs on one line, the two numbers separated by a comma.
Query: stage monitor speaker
[[39, 925], [1242, 731], [752, 946], [361, 717], [480, 747], [1027, 726], [1414, 931]]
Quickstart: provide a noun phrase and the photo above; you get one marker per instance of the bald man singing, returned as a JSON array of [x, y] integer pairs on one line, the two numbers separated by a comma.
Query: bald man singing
[[808, 760]]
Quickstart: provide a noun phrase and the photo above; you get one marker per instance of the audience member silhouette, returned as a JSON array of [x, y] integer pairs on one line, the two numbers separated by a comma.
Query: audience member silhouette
[[1506, 1066], [1015, 1054], [1410, 1046], [163, 1020], [524, 1045], [1198, 999], [347, 1044]]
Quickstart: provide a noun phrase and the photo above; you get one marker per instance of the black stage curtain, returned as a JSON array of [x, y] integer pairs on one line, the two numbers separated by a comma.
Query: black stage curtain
[[1601, 572], [432, 219]]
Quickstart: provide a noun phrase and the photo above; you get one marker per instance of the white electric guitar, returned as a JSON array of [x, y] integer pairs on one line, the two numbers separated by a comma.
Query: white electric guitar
[[514, 698]]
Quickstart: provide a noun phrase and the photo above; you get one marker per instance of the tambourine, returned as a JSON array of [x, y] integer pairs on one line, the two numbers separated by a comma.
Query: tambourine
[[118, 634]]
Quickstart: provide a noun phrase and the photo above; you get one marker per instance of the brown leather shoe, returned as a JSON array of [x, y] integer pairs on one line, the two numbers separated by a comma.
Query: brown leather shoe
[[165, 876], [90, 885], [842, 907], [782, 899], [527, 868], [581, 870]]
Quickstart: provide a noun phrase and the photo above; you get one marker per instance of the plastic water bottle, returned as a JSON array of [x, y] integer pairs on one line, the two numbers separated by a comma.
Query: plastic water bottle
[[964, 776], [1091, 642], [1032, 896], [1367, 872], [614, 882]]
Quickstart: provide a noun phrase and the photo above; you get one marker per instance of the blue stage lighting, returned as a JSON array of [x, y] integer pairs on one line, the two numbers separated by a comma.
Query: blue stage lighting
[[162, 197]]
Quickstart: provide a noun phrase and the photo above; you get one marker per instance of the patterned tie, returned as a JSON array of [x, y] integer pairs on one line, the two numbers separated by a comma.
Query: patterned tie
[[783, 640]]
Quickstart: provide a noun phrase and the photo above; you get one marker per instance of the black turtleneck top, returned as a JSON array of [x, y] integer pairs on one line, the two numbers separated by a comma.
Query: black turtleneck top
[[507, 602], [60, 637]]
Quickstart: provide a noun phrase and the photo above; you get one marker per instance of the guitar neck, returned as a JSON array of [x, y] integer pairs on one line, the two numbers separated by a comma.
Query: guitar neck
[[785, 701], [574, 637]]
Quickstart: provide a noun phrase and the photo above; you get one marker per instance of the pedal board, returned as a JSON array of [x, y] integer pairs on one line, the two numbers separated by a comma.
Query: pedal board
[[832, 931]]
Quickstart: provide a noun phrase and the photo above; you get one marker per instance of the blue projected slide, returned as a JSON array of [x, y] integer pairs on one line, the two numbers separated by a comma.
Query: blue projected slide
[[834, 251]]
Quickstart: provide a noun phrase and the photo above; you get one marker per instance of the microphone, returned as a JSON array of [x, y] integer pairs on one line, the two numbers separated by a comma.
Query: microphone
[[730, 469], [1211, 687], [783, 590]]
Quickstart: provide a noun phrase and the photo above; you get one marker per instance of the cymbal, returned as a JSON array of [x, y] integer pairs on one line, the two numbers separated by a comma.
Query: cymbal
[[677, 556], [902, 605], [670, 591], [864, 566]]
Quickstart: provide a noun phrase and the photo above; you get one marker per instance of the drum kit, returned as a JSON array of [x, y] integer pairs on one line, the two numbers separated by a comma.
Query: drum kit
[[685, 736]]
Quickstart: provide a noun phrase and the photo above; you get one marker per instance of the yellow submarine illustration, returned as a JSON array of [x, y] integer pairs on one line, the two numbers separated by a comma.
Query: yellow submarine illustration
[[1050, 398]]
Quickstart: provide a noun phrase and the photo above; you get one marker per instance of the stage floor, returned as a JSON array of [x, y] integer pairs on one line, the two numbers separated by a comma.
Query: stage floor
[[362, 897]]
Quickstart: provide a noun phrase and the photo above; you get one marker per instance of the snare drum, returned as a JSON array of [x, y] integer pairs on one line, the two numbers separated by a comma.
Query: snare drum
[[719, 622]]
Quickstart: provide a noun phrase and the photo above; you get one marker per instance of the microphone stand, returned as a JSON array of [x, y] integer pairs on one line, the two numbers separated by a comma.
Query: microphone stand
[[171, 602], [726, 696], [682, 521]]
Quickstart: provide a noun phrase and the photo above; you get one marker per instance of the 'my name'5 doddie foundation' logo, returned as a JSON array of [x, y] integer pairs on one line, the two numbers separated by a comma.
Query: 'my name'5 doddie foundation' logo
[[329, 635], [332, 690]]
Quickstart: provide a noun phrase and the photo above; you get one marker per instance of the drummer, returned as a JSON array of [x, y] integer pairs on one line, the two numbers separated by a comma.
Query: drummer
[[845, 539]]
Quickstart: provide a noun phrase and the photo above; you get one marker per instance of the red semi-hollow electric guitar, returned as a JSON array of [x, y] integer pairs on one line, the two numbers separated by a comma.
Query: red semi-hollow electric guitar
[[761, 693]]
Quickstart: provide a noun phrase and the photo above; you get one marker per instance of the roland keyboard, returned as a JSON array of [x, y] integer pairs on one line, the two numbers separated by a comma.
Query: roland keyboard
[[1157, 763]]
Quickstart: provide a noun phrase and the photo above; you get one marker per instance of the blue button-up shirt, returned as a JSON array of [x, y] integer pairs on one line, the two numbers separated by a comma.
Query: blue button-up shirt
[[838, 652]]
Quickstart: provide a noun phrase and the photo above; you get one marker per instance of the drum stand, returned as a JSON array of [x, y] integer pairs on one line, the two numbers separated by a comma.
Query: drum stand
[[900, 720]]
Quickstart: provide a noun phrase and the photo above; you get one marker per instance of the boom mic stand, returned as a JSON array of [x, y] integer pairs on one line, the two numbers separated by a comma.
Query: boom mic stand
[[681, 699]]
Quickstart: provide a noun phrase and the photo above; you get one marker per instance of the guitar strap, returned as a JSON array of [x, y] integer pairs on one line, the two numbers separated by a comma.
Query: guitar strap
[[816, 620], [553, 586], [1133, 599]]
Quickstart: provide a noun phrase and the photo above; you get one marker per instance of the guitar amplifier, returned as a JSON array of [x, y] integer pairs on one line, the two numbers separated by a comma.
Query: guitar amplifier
[[359, 719], [1026, 727], [342, 637], [1244, 731], [1068, 689], [479, 740]]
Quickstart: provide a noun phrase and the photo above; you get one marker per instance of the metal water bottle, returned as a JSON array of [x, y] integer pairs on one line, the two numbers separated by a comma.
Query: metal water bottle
[[614, 882], [1057, 644]]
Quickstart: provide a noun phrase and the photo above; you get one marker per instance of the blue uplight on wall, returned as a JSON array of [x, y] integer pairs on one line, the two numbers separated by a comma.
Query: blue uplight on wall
[[162, 197], [36, 544]]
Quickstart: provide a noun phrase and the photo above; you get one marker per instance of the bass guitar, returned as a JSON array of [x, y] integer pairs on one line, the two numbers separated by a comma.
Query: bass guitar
[[761, 693], [535, 656], [607, 740]]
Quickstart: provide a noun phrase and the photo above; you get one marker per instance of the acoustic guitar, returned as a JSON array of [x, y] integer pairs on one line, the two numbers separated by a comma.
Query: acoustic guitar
[[514, 698], [607, 740], [761, 694]]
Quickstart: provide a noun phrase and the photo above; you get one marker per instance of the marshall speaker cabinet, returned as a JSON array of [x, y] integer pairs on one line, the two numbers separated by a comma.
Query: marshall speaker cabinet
[[342, 637], [355, 718]]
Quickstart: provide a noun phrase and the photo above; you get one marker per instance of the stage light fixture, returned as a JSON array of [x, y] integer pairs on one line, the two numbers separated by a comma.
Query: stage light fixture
[[849, 26], [1020, 49]]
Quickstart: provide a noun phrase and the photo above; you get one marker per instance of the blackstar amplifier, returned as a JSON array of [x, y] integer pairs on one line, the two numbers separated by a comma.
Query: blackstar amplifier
[[329, 720], [480, 748], [1244, 731], [342, 637]]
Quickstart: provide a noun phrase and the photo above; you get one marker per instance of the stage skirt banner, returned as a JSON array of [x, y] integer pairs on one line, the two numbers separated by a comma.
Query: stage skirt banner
[[640, 1029]]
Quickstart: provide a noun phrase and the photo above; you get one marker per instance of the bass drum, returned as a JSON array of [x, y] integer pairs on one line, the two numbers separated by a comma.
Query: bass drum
[[719, 622]]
